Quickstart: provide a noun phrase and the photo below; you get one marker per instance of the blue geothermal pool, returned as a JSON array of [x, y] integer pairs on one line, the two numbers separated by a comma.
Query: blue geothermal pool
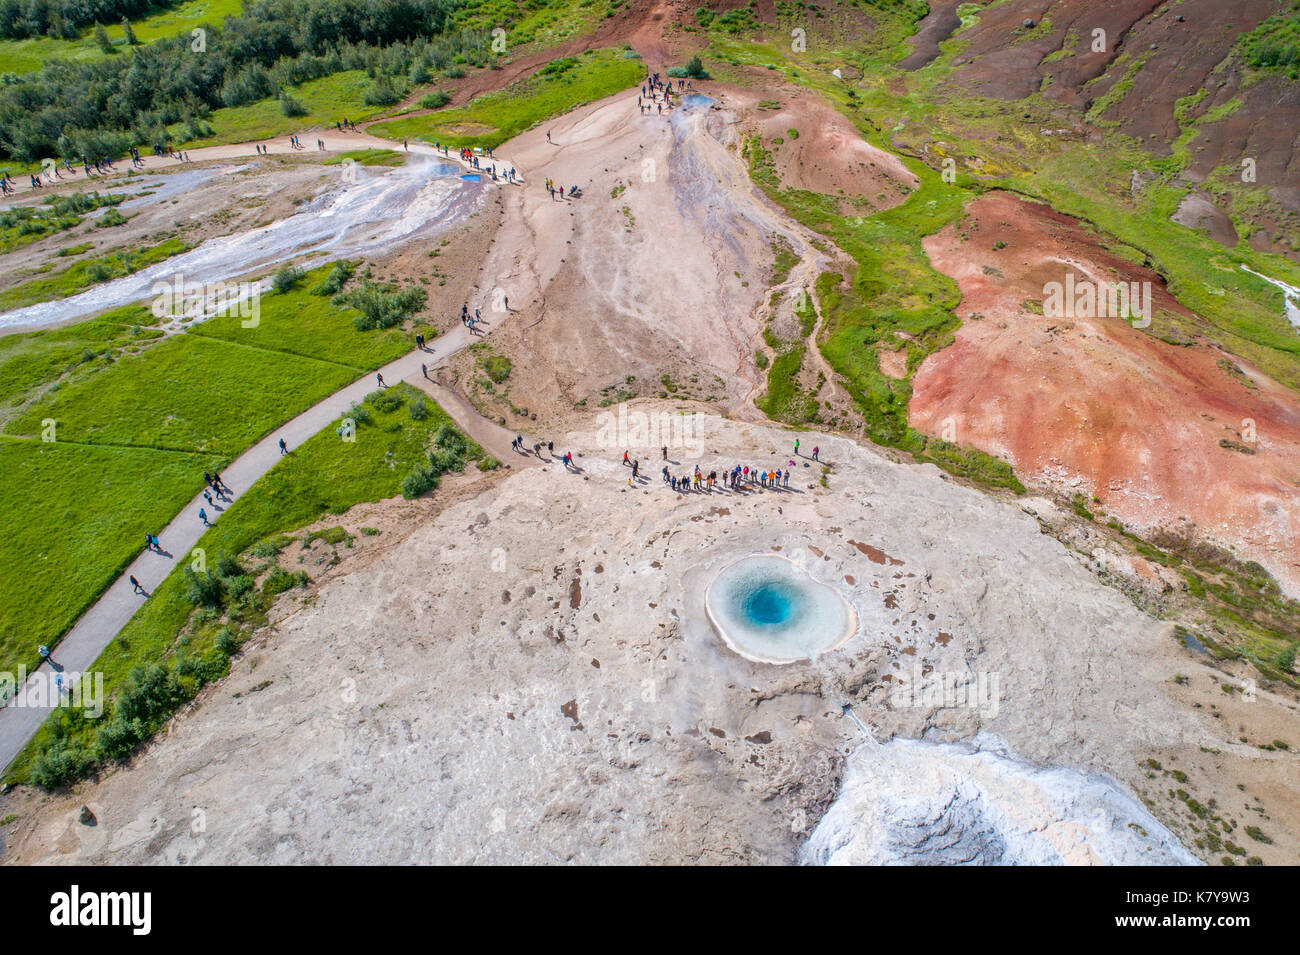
[[768, 609]]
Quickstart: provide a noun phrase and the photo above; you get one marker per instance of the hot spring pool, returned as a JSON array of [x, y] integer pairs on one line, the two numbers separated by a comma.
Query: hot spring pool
[[698, 99], [768, 609]]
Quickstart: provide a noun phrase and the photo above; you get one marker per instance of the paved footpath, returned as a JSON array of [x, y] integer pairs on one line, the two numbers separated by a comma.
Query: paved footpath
[[83, 644]]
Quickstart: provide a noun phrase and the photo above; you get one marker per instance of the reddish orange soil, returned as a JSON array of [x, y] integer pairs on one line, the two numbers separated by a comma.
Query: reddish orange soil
[[1098, 407]]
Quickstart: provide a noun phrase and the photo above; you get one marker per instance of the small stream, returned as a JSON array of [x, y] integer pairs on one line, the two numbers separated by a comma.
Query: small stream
[[1290, 297], [374, 214]]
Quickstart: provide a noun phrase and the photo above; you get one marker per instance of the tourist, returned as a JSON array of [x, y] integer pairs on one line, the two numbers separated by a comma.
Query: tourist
[[203, 516], [135, 586], [284, 448]]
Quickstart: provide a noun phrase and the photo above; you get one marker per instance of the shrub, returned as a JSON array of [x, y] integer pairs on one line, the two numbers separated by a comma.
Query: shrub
[[695, 69], [237, 587], [448, 437], [286, 278], [420, 480], [443, 460], [385, 402], [380, 306], [227, 642], [228, 566], [204, 590], [419, 408], [337, 278], [59, 764], [498, 368], [436, 100], [382, 93], [290, 106]]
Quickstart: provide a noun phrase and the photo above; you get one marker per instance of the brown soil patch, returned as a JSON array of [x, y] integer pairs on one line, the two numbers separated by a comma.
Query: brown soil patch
[[893, 364]]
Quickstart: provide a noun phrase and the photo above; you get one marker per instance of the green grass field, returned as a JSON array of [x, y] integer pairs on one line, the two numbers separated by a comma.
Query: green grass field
[[166, 409], [31, 361], [188, 393], [26, 56], [324, 476], [491, 119], [74, 517], [311, 326]]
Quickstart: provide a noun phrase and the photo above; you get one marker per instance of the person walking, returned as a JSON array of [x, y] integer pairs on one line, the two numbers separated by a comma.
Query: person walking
[[796, 447], [203, 516], [380, 378], [284, 448], [135, 586], [816, 451], [626, 461], [424, 370]]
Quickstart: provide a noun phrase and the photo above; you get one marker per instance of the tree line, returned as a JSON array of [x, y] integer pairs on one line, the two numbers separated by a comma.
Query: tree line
[[98, 110]]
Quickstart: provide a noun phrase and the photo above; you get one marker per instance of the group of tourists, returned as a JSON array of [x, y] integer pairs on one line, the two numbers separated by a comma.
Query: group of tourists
[[657, 94], [738, 478], [518, 444], [557, 191], [471, 321]]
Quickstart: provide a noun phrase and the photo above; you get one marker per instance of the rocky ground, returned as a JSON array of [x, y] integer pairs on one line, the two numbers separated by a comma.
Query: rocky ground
[[524, 674]]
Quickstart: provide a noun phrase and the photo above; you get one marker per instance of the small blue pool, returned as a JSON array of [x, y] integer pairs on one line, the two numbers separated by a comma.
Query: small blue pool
[[767, 608], [472, 177]]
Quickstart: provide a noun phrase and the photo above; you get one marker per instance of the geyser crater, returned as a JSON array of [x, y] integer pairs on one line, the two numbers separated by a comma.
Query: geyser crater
[[768, 609]]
